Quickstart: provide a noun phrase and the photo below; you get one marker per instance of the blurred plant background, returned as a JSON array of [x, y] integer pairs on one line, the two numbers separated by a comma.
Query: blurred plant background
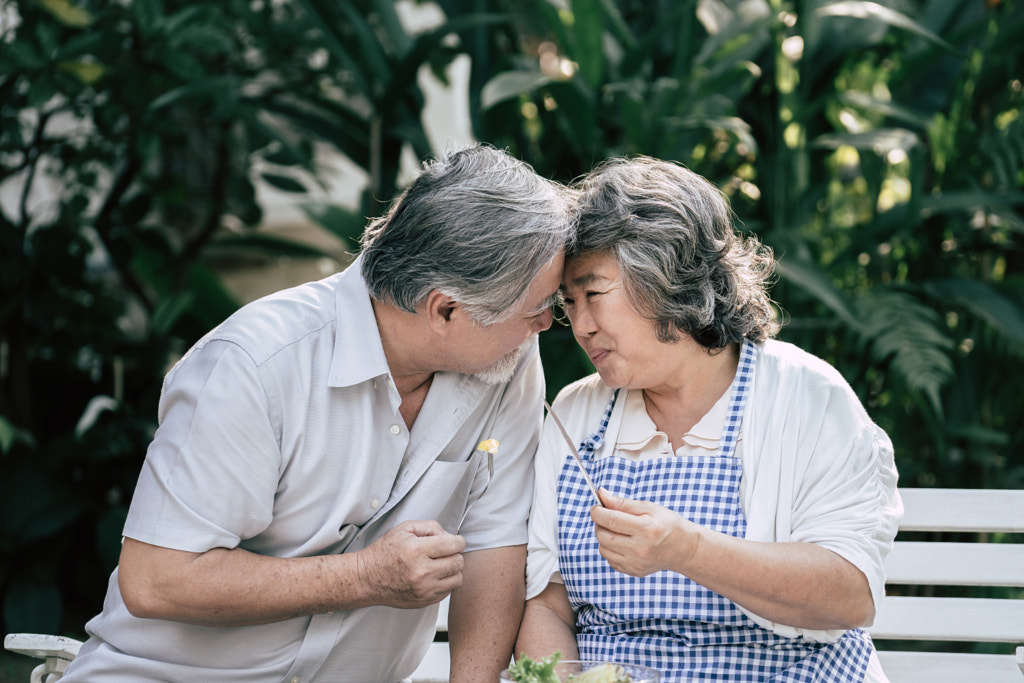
[[877, 147]]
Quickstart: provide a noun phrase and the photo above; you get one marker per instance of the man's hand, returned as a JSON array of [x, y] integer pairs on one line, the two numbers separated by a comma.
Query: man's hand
[[413, 565], [639, 538]]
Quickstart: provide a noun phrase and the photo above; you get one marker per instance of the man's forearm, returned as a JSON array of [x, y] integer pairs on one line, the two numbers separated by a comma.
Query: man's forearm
[[223, 587]]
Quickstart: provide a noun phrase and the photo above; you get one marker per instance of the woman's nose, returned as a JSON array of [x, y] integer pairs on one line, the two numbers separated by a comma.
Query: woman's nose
[[582, 322]]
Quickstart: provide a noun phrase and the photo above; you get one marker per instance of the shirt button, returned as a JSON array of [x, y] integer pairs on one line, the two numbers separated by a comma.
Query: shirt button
[[375, 384], [395, 429], [295, 679], [375, 503]]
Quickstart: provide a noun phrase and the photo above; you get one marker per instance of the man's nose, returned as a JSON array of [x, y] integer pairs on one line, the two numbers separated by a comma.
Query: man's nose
[[543, 321]]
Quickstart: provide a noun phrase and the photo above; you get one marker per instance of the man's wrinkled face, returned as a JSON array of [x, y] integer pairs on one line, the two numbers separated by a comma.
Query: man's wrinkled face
[[492, 353]]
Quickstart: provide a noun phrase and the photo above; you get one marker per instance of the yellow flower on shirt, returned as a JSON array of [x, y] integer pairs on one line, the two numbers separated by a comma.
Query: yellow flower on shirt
[[488, 446]]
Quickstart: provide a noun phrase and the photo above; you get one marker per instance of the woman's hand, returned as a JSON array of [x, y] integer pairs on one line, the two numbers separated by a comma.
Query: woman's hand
[[798, 584], [639, 538]]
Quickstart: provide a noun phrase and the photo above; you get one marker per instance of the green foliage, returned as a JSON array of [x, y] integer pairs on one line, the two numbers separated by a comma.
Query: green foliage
[[131, 135], [878, 148]]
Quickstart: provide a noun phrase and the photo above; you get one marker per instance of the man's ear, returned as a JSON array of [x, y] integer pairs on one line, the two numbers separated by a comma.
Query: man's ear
[[439, 308]]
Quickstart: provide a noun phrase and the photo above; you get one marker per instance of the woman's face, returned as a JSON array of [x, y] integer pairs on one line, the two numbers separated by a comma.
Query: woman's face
[[621, 343]]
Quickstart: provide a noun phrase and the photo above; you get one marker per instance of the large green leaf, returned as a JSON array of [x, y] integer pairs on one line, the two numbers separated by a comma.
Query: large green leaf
[[588, 27], [880, 140], [168, 311], [271, 245], [338, 124], [219, 86], [10, 435], [817, 283], [510, 84], [867, 102], [874, 12], [982, 301], [322, 15], [283, 182], [908, 335], [425, 45], [638, 52]]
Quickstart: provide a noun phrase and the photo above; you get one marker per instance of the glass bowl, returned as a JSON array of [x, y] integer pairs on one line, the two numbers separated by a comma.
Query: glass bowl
[[567, 668]]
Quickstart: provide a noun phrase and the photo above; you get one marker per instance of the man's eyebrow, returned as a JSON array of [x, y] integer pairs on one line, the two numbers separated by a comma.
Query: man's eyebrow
[[545, 304]]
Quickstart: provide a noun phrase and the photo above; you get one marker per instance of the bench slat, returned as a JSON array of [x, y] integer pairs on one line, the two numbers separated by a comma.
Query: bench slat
[[955, 564], [962, 510], [946, 667], [435, 666], [981, 619]]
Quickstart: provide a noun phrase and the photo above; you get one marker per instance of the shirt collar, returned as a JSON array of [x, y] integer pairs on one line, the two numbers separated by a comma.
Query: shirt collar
[[358, 351], [638, 428]]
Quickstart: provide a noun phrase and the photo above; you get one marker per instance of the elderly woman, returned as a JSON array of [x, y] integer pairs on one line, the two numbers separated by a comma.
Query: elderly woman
[[748, 499]]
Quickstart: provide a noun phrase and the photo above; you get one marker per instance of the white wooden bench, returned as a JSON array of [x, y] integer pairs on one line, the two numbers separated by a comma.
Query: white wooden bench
[[982, 517], [436, 666], [980, 562], [58, 651]]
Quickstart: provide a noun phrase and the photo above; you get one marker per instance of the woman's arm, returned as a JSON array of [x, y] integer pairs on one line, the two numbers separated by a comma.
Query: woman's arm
[[485, 613], [797, 584], [549, 625]]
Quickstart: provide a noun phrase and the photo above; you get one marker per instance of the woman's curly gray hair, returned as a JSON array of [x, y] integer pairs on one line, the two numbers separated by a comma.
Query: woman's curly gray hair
[[683, 265]]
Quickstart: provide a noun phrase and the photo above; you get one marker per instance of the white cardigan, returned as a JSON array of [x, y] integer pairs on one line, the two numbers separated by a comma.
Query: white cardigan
[[815, 467]]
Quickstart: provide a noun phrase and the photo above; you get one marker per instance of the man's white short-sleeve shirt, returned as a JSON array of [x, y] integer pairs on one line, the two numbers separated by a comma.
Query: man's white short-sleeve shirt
[[280, 433]]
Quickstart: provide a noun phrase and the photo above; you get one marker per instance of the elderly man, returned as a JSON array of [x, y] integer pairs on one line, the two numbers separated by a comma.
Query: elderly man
[[315, 487]]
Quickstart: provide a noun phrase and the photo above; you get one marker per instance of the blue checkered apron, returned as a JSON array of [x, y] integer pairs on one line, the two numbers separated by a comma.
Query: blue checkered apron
[[666, 620]]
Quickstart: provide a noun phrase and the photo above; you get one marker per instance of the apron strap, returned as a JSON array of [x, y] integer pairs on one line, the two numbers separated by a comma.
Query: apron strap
[[590, 445], [738, 400]]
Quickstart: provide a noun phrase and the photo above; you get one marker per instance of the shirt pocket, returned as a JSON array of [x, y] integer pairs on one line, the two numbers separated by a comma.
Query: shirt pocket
[[444, 494]]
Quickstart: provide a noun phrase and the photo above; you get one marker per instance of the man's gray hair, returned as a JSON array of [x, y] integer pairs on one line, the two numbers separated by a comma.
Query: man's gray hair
[[477, 225], [683, 265]]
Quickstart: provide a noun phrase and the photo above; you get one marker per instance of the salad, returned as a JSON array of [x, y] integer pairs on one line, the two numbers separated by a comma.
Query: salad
[[526, 670]]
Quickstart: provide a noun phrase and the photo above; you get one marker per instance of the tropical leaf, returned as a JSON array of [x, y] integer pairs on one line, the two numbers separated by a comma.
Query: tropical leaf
[[9, 435], [872, 11], [425, 45], [880, 140], [321, 16], [169, 311], [283, 182], [969, 200], [817, 283], [982, 301], [510, 84], [907, 335], [892, 110], [638, 53], [216, 86], [589, 30], [271, 245], [732, 124]]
